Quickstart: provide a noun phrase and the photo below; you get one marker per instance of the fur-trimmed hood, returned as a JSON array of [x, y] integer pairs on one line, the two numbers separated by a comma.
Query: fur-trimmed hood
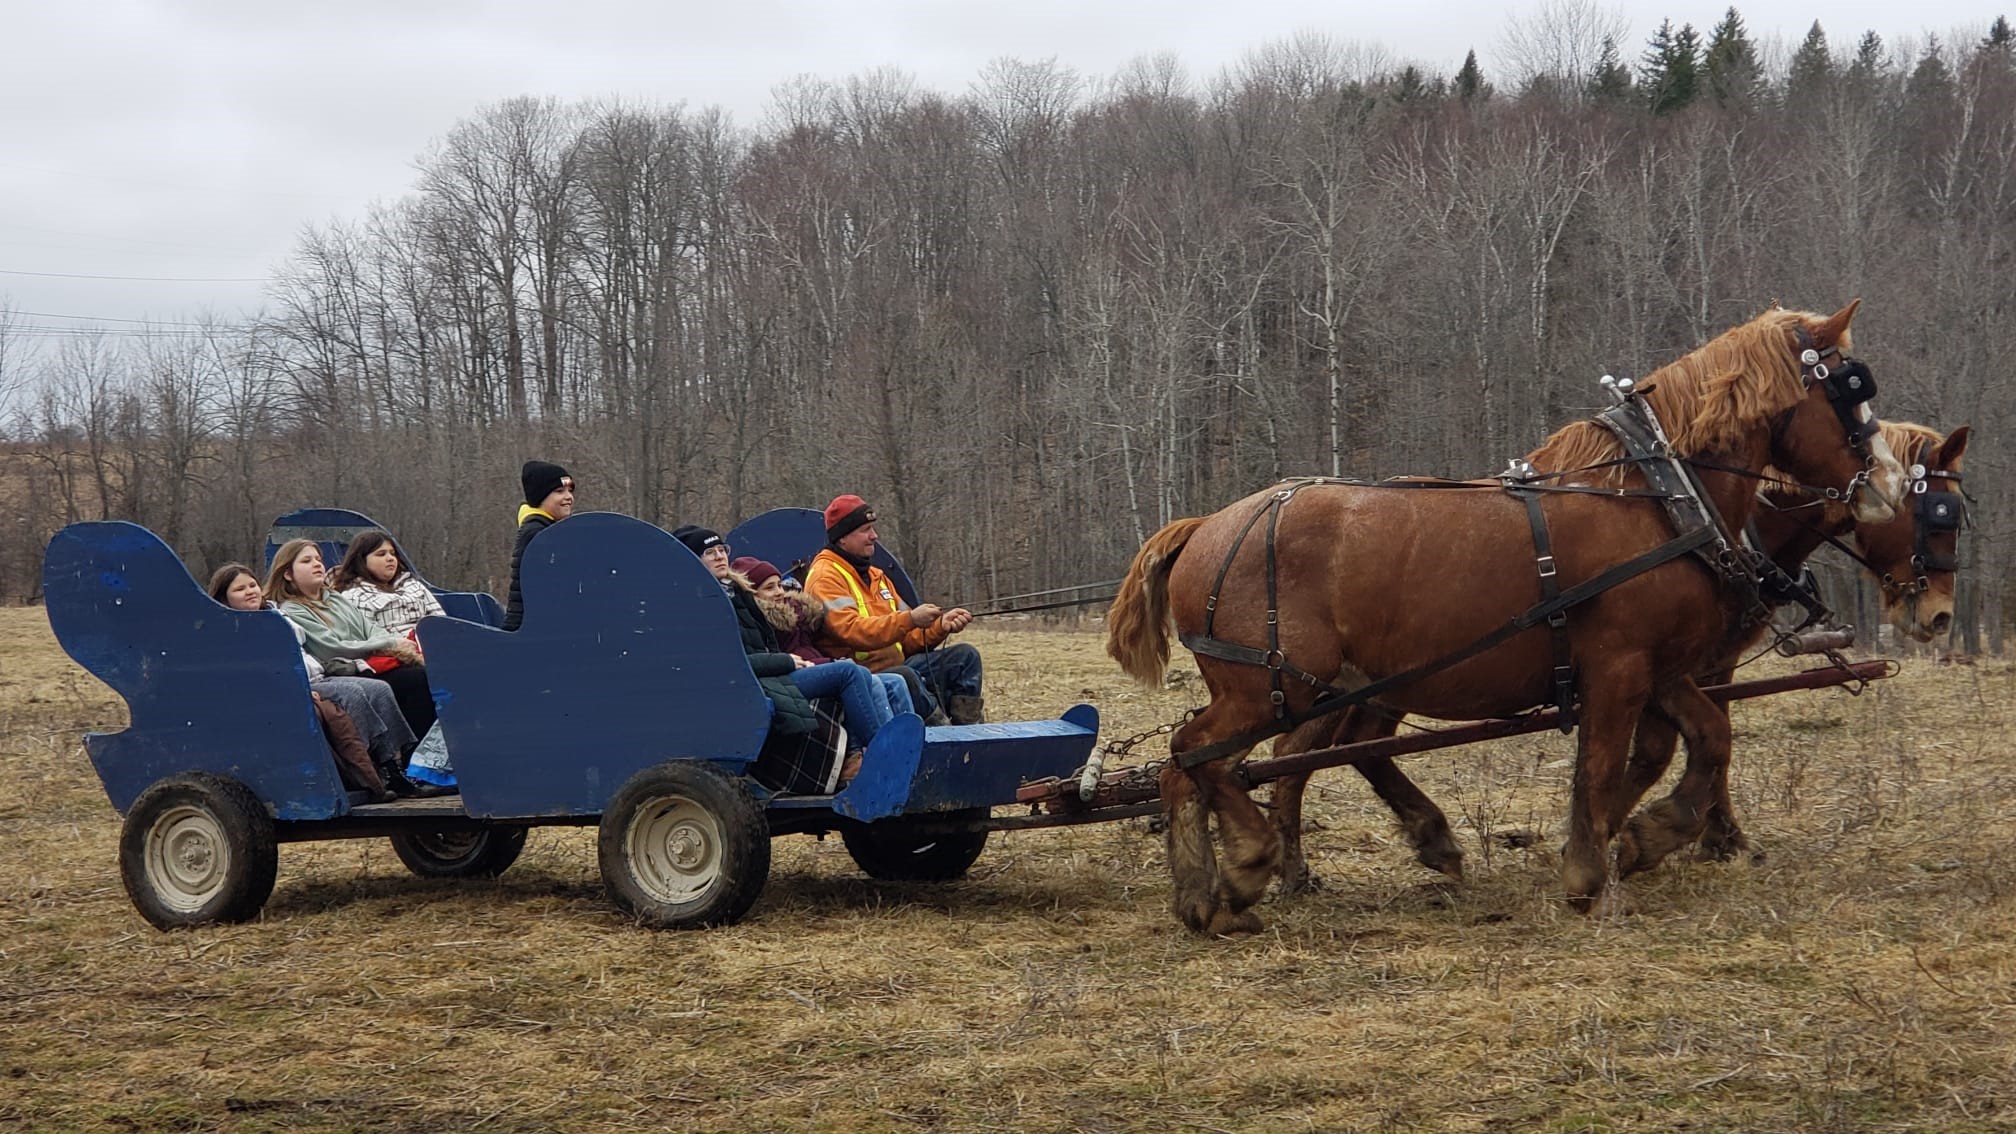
[[796, 610]]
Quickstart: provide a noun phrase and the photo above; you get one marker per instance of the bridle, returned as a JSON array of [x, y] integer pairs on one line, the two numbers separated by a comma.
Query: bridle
[[1932, 510], [1849, 386]]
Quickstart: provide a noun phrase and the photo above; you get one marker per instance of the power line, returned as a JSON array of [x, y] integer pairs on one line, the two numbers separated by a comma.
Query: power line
[[119, 319], [140, 279]]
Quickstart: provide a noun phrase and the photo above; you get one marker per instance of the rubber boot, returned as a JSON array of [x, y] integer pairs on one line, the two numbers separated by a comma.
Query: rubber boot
[[967, 710]]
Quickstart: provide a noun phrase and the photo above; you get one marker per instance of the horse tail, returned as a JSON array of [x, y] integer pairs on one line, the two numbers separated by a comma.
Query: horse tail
[[1137, 628]]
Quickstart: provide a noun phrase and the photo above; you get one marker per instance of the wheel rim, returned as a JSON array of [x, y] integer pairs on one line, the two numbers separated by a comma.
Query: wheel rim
[[188, 858], [450, 846], [675, 849]]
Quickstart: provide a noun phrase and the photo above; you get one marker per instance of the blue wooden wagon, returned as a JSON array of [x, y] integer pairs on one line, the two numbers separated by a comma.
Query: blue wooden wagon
[[624, 702]]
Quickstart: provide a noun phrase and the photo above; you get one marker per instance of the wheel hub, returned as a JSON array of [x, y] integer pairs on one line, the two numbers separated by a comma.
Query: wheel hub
[[187, 857], [675, 849]]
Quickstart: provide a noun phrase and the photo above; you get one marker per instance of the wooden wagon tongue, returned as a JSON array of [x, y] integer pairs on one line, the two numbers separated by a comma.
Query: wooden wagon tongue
[[1059, 798]]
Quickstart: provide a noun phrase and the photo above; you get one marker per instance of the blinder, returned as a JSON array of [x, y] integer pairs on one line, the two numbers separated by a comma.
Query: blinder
[[1848, 387], [1933, 512]]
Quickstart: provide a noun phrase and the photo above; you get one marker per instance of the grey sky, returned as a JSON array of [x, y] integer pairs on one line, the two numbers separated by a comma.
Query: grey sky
[[195, 139]]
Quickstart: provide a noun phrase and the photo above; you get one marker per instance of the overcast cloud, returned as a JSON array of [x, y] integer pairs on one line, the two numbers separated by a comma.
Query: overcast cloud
[[196, 139]]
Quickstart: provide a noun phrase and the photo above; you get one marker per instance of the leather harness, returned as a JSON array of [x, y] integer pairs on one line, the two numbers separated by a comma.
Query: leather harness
[[1699, 529]]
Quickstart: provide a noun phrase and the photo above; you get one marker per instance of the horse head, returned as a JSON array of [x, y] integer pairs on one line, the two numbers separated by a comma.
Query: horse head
[[1830, 438], [1915, 553]]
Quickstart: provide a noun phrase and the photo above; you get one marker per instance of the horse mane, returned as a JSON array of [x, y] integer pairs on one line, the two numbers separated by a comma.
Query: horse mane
[[1910, 441], [1738, 381]]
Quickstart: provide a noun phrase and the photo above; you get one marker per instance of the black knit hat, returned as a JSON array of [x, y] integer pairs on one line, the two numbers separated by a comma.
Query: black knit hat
[[542, 479], [696, 538]]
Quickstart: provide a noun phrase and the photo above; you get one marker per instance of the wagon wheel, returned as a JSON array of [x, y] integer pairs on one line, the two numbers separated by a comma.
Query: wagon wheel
[[895, 851], [196, 849], [684, 845], [483, 853]]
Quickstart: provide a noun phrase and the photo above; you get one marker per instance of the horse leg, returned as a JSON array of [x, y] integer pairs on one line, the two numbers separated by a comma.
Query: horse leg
[[1287, 803], [1424, 824], [1679, 819], [1207, 895], [1610, 711], [1250, 846], [1286, 800], [1426, 827], [1193, 866], [1652, 748], [1723, 840]]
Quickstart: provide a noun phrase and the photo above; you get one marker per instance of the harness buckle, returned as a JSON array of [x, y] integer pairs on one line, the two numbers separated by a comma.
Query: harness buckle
[[1558, 619], [1278, 698], [1546, 563]]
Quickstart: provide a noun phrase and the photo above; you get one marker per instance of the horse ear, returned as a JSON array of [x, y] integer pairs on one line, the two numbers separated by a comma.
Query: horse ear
[[1835, 327], [1950, 450]]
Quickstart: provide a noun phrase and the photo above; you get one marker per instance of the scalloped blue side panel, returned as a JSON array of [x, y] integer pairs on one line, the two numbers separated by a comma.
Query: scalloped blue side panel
[[629, 656], [209, 689]]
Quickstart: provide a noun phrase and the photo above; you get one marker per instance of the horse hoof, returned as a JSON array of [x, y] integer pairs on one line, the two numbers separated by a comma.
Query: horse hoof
[[1446, 860], [1228, 924], [1302, 883]]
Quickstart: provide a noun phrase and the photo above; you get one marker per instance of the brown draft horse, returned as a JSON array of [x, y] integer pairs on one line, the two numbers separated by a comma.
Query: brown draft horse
[[1917, 590], [1375, 581]]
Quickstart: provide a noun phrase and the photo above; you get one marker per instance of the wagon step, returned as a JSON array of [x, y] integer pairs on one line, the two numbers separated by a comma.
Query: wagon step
[[1127, 788]]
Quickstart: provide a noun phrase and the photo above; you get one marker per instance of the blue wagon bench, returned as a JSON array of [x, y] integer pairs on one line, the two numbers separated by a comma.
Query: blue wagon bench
[[624, 702]]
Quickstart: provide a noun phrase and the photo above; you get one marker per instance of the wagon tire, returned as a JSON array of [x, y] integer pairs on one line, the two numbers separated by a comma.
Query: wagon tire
[[198, 849], [684, 845], [893, 850], [482, 853]]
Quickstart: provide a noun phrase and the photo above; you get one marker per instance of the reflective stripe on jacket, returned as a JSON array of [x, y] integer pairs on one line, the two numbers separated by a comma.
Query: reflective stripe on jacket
[[865, 619]]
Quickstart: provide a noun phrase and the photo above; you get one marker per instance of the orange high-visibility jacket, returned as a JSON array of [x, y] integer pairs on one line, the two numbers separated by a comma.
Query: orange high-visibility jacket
[[867, 622]]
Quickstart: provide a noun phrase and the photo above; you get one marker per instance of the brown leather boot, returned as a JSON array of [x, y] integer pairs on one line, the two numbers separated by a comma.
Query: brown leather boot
[[966, 710]]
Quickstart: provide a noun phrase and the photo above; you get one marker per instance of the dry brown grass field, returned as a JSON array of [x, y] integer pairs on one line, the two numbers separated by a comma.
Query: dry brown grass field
[[1859, 978]]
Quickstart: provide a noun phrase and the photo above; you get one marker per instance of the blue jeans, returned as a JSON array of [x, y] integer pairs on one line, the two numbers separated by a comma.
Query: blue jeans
[[948, 671], [864, 703], [898, 692]]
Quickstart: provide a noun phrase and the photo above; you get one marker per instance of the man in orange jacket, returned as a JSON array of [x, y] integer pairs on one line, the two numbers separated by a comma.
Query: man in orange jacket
[[866, 619]]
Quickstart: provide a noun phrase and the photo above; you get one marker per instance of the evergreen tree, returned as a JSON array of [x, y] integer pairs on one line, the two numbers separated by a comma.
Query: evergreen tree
[[1996, 53], [1870, 61], [1409, 86], [1731, 63], [1610, 82], [1671, 71], [1812, 65], [1930, 88], [1999, 39], [1469, 84]]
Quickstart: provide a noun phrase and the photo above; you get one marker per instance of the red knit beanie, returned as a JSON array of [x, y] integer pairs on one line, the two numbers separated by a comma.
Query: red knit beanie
[[848, 513]]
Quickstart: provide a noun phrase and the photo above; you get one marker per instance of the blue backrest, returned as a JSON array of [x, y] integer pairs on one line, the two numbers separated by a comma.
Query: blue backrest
[[334, 528], [629, 656], [790, 537], [209, 689]]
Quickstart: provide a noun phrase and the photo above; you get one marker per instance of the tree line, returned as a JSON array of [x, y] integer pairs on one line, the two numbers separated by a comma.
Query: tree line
[[1034, 321]]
